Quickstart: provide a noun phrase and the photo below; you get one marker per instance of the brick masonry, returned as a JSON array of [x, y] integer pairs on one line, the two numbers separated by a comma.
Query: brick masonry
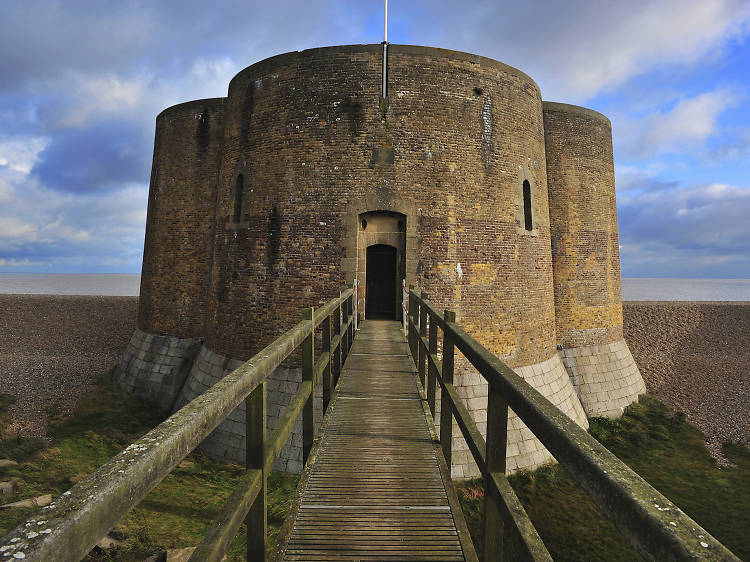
[[256, 203], [179, 224]]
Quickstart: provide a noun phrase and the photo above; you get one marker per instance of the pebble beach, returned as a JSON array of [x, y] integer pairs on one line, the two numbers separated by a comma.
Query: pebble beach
[[53, 348], [693, 355]]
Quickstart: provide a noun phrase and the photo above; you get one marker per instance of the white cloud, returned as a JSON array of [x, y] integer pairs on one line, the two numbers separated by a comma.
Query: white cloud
[[579, 48], [57, 231], [138, 98], [640, 36], [683, 128], [14, 228], [91, 98], [6, 191], [19, 263], [21, 153]]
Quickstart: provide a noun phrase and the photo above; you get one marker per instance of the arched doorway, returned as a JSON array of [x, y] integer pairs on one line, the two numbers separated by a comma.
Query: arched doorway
[[381, 245], [381, 292]]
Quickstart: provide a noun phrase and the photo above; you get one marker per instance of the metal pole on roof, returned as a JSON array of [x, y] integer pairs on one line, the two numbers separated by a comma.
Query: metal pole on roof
[[384, 91], [385, 23]]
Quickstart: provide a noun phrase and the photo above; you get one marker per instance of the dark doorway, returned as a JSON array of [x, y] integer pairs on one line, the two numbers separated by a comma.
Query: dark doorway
[[380, 289]]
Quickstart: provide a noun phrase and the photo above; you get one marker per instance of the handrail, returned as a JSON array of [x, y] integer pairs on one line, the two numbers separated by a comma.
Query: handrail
[[73, 523], [657, 528]]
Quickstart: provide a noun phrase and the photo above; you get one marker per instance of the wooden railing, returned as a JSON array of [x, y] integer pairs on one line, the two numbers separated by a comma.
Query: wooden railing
[[654, 525], [73, 523]]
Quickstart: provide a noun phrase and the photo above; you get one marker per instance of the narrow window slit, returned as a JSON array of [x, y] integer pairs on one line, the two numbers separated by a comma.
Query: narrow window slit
[[527, 219], [239, 193]]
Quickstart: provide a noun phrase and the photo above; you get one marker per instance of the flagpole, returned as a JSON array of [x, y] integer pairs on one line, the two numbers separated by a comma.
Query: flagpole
[[384, 91], [385, 23]]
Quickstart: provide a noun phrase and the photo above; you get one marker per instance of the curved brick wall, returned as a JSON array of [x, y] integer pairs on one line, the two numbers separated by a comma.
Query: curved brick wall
[[179, 227], [586, 259], [449, 150], [583, 215]]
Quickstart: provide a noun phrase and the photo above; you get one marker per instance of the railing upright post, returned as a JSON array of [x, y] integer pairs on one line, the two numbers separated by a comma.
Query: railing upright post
[[422, 333], [412, 328], [404, 314], [497, 436], [255, 432], [446, 413], [337, 356], [327, 386], [308, 367], [352, 314], [431, 372], [344, 329]]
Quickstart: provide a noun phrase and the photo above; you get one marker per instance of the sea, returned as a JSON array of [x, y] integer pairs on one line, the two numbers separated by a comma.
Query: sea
[[118, 284], [110, 284]]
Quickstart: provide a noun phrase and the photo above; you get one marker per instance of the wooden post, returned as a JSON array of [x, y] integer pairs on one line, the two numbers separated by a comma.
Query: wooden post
[[351, 313], [431, 372], [255, 431], [404, 321], [344, 328], [422, 332], [497, 436], [327, 382], [337, 357], [308, 366], [446, 412], [411, 324]]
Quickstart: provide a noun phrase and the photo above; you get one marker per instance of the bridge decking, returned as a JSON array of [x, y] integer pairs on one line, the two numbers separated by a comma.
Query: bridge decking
[[375, 490]]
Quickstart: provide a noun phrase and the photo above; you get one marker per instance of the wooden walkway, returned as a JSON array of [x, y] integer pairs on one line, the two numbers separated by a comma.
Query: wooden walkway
[[376, 489]]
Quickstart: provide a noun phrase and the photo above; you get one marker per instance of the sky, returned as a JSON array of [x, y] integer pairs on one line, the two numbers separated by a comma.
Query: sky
[[81, 83]]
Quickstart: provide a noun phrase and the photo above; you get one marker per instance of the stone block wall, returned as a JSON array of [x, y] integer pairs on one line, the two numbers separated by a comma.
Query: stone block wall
[[155, 367], [606, 377], [524, 450], [227, 441]]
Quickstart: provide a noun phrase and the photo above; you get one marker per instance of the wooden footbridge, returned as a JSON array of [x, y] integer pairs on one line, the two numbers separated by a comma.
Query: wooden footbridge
[[378, 486], [376, 483]]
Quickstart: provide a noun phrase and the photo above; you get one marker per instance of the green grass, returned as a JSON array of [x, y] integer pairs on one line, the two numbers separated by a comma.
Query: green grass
[[175, 514], [661, 447]]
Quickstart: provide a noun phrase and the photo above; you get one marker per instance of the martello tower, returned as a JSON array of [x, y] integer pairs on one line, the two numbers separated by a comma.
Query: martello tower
[[461, 181]]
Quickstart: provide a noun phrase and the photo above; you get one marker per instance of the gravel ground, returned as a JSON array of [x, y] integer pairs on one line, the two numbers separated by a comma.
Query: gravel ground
[[52, 349], [695, 357]]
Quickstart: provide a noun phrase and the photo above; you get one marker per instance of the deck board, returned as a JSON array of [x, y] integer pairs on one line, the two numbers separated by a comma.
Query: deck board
[[375, 491]]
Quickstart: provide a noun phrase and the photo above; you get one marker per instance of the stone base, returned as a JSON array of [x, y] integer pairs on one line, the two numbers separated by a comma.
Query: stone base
[[524, 450], [605, 377], [155, 367], [227, 441]]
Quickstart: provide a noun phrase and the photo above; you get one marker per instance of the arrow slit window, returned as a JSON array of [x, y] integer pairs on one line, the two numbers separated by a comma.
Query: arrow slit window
[[527, 219]]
